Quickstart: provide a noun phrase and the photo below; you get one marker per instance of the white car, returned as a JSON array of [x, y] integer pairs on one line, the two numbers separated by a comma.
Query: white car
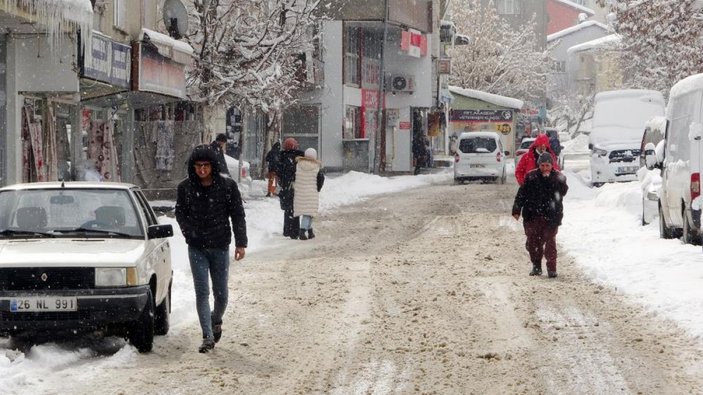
[[479, 156], [83, 257]]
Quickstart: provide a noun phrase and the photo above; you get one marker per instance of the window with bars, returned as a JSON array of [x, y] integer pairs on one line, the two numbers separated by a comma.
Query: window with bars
[[352, 58], [508, 7], [352, 123]]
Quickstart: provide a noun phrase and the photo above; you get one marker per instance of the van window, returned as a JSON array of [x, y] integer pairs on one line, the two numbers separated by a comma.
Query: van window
[[478, 145], [681, 117]]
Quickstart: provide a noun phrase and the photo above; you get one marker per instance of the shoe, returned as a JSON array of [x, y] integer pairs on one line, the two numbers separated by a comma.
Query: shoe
[[536, 270], [551, 274], [268, 194], [310, 234], [217, 331], [302, 235], [208, 344]]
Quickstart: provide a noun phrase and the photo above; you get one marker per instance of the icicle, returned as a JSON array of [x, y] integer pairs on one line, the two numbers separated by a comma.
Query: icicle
[[57, 16]]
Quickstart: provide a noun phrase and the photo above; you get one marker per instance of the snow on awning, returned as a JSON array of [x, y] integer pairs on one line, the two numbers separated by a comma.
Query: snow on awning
[[498, 100], [169, 47], [56, 14]]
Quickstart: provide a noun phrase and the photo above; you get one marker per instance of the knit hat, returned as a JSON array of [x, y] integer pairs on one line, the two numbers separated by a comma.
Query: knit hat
[[310, 153], [290, 144], [545, 158]]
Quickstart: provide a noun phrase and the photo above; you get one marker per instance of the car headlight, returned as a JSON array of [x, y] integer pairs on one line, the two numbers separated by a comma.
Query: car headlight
[[600, 152], [115, 276]]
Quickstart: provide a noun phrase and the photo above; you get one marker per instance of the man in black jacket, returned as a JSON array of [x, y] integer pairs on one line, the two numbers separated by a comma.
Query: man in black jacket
[[540, 201], [205, 203], [286, 177], [220, 147]]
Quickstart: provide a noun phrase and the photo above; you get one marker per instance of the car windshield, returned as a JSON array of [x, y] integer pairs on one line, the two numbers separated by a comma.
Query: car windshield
[[477, 144], [526, 144], [68, 213]]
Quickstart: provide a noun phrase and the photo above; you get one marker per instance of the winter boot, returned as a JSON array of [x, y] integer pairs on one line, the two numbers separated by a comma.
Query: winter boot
[[207, 345], [536, 270], [551, 273], [310, 234], [302, 235]]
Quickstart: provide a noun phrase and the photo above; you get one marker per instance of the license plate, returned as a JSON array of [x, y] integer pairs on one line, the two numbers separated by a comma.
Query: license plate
[[477, 165], [627, 169], [43, 303]]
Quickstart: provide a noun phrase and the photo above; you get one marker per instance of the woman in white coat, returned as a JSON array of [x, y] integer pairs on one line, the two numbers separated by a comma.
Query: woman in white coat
[[308, 182]]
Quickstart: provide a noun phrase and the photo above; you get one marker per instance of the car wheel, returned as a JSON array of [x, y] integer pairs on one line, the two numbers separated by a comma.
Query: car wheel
[[141, 332], [597, 184], [689, 235], [162, 321], [664, 231]]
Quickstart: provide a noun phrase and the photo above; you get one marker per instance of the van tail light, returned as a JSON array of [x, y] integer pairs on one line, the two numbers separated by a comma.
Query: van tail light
[[695, 185], [498, 156], [456, 158]]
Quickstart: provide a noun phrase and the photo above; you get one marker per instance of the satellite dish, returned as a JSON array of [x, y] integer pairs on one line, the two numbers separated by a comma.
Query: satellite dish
[[175, 18]]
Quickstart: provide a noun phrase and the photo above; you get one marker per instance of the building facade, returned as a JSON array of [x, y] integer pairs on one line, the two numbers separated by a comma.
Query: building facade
[[563, 14]]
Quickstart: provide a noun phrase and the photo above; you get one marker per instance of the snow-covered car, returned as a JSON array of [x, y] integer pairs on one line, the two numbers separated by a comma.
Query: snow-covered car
[[524, 147], [480, 156], [83, 257], [233, 167]]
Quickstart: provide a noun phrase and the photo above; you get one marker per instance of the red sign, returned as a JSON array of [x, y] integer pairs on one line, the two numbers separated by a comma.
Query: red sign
[[404, 125]]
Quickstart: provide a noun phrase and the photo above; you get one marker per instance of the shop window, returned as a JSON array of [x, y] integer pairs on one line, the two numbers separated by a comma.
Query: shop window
[[352, 123], [302, 122]]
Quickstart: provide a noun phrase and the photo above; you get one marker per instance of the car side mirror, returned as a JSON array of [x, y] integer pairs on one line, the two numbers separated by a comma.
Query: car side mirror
[[159, 231], [650, 156], [590, 147]]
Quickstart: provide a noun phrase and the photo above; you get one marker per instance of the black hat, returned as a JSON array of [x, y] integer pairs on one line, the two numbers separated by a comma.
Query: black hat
[[546, 157], [221, 137]]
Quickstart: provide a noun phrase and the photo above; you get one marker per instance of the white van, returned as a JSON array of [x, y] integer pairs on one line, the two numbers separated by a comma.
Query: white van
[[614, 142], [479, 156], [680, 162]]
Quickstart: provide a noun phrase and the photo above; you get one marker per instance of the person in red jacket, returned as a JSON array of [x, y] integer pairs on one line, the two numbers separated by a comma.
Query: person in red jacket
[[528, 162]]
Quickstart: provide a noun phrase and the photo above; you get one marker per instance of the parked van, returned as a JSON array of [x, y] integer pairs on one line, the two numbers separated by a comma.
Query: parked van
[[480, 156], [614, 142], [680, 162]]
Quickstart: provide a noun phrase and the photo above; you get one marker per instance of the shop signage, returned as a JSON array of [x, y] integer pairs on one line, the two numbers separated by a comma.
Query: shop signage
[[158, 74], [444, 66], [109, 62], [404, 125], [481, 116]]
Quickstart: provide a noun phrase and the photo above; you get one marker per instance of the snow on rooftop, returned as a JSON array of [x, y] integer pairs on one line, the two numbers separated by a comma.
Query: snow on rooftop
[[575, 28], [577, 6], [603, 42], [488, 97]]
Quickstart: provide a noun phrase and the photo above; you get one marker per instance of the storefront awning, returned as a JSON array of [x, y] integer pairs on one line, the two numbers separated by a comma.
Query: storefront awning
[[168, 47]]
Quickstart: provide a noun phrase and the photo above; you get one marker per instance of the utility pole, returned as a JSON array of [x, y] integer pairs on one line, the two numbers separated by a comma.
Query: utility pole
[[380, 141]]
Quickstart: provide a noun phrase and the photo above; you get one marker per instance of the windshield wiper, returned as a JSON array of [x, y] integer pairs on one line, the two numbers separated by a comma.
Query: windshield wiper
[[22, 232], [99, 231]]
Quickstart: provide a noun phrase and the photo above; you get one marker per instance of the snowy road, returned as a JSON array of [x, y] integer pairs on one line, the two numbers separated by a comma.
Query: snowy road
[[423, 291]]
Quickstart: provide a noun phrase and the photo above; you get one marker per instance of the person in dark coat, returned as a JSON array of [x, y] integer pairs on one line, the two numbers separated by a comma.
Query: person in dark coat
[[219, 146], [539, 199], [273, 160], [286, 177], [419, 153], [206, 201]]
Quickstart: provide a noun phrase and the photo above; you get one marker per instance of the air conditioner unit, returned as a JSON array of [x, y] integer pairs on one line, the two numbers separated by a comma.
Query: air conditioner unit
[[400, 83]]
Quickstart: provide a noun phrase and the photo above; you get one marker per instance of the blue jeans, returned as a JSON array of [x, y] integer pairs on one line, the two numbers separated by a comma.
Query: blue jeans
[[305, 222], [216, 262]]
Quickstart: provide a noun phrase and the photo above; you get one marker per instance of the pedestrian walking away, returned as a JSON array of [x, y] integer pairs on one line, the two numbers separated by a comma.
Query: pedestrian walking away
[[286, 177], [528, 161], [308, 183], [219, 146], [539, 200], [273, 160], [206, 202]]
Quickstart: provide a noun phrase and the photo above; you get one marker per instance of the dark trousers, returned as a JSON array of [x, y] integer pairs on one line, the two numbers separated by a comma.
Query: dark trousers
[[541, 241], [291, 224]]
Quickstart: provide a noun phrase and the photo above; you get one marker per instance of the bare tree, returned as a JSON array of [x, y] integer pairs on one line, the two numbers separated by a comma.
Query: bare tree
[[500, 59]]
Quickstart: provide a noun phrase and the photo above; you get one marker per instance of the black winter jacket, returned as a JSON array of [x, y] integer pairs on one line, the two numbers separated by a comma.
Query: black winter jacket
[[286, 176], [542, 197], [220, 157], [204, 213], [273, 157]]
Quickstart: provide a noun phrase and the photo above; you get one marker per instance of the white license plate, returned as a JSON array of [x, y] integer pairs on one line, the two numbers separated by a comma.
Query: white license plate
[[627, 169], [43, 303], [477, 165]]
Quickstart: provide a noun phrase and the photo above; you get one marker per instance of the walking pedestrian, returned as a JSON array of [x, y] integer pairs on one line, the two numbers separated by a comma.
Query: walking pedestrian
[[308, 183], [286, 177], [273, 160], [539, 199], [205, 203], [419, 152], [528, 161], [220, 146]]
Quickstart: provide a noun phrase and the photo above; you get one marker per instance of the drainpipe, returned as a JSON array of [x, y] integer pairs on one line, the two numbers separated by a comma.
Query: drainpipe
[[380, 141]]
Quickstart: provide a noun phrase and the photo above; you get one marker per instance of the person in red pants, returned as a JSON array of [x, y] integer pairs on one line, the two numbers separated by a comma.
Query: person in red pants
[[539, 200]]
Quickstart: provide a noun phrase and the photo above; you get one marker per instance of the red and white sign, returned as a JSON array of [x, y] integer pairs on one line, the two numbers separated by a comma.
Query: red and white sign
[[404, 125], [413, 42]]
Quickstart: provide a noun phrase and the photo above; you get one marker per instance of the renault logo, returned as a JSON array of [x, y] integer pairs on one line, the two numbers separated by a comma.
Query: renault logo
[[44, 277]]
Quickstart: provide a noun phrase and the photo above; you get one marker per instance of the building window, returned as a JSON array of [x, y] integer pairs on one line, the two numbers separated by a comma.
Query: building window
[[119, 12], [352, 55], [559, 66], [352, 123], [508, 7], [302, 122]]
